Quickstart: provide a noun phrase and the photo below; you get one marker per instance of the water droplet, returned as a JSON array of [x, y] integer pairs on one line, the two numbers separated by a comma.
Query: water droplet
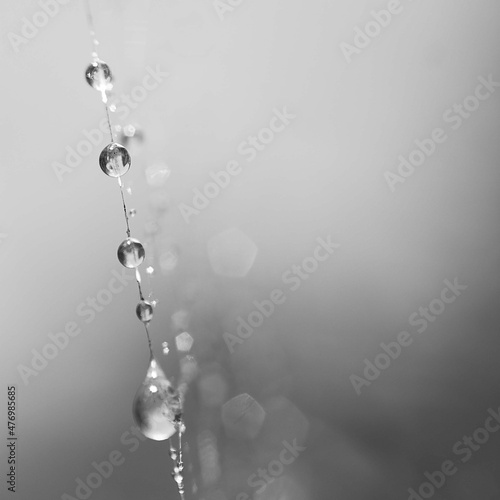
[[150, 269], [114, 160], [155, 412], [132, 212], [137, 275], [131, 253], [144, 311], [178, 478], [98, 76], [165, 348]]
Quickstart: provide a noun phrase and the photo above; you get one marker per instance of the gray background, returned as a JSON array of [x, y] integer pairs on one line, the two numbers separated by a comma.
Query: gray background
[[323, 175]]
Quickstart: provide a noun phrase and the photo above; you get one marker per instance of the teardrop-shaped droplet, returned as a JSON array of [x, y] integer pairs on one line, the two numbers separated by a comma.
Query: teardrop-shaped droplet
[[98, 76], [156, 405], [144, 311], [114, 160], [131, 253]]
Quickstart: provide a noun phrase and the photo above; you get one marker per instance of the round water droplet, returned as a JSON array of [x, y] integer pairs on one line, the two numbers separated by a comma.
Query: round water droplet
[[131, 253], [98, 76], [132, 212], [156, 411], [114, 160], [144, 311]]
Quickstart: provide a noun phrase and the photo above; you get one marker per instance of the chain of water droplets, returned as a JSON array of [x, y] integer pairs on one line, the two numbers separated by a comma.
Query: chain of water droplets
[[115, 161]]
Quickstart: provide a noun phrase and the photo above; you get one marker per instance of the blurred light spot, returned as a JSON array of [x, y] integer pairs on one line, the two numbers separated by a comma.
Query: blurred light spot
[[184, 342], [151, 227], [165, 349], [284, 421], [189, 369], [169, 260], [153, 388], [180, 320], [209, 457], [159, 201], [157, 174], [131, 137], [282, 488], [243, 417], [216, 495], [213, 389], [231, 253], [150, 269]]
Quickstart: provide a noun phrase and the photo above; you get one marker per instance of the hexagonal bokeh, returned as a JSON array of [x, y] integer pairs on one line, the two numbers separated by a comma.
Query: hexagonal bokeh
[[168, 260], [184, 342], [157, 174], [243, 417], [212, 388], [231, 253], [180, 319]]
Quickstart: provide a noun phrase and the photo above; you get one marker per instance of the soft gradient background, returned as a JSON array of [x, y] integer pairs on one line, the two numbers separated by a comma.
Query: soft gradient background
[[323, 175]]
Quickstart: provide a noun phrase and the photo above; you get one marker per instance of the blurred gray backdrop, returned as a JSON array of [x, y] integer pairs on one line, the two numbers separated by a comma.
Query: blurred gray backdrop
[[324, 170]]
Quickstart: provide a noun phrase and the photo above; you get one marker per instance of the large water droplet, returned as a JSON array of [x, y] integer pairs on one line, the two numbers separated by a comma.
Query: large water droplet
[[144, 311], [98, 76], [131, 253], [157, 405], [114, 160]]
